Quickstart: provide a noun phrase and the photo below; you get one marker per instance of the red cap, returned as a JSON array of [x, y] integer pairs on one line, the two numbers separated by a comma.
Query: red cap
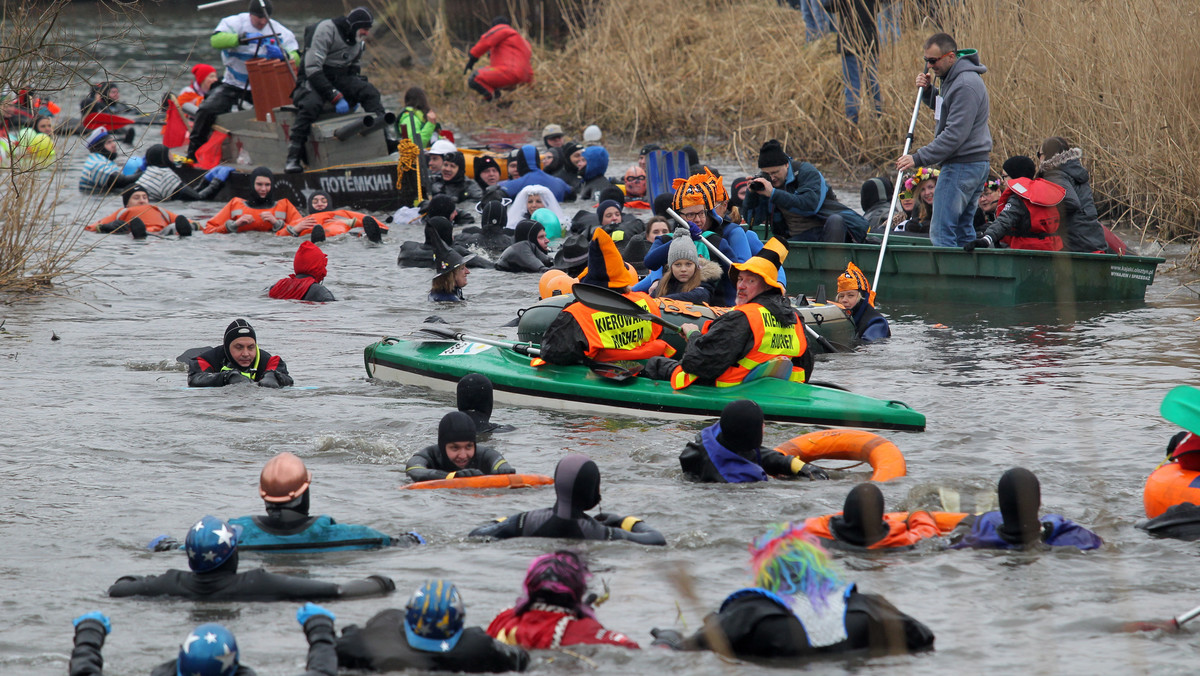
[[201, 71]]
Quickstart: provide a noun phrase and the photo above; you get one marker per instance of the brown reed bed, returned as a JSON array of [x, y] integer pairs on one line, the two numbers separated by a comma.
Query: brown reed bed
[[1116, 78]]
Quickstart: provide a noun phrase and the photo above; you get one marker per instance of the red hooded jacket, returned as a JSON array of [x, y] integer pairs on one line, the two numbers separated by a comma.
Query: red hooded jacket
[[310, 269]]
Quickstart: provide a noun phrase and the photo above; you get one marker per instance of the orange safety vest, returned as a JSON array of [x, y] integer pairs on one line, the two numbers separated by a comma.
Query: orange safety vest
[[154, 217], [771, 340], [1041, 198], [283, 210], [613, 337], [904, 529]]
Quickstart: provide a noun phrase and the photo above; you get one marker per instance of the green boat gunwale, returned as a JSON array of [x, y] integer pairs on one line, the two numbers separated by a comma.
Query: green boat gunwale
[[563, 390]]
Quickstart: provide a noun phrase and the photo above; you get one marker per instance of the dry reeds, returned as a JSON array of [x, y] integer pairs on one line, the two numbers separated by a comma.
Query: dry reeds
[[728, 75]]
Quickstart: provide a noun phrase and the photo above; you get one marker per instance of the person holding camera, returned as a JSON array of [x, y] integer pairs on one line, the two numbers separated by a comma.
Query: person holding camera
[[793, 199]]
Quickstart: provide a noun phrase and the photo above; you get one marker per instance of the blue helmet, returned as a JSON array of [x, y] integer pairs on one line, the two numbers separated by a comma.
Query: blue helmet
[[433, 619], [210, 650], [209, 544]]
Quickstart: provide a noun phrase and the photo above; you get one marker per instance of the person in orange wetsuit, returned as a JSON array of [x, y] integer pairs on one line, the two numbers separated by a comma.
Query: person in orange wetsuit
[[580, 334], [510, 56], [333, 222], [862, 525], [260, 212], [139, 217], [305, 284], [551, 612]]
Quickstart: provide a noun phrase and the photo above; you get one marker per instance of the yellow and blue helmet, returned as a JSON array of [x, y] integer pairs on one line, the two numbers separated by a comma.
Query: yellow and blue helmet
[[434, 617]]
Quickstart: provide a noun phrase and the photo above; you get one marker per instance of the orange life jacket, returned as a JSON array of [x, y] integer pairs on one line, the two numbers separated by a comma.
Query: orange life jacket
[[155, 217], [1041, 198], [337, 222], [283, 210], [902, 532], [771, 340], [613, 337]]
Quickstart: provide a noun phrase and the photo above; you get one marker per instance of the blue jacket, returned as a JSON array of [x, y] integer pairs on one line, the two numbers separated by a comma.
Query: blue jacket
[[323, 534], [531, 174], [1057, 531], [869, 325], [804, 193]]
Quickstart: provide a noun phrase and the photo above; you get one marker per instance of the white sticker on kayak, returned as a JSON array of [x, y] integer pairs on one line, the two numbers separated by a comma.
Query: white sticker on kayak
[[464, 348]]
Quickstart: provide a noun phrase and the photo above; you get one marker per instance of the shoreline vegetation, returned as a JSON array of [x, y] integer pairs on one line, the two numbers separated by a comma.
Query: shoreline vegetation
[[1109, 75]]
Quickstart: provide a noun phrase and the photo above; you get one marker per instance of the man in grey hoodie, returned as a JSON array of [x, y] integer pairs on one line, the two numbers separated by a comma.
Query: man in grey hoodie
[[962, 144]]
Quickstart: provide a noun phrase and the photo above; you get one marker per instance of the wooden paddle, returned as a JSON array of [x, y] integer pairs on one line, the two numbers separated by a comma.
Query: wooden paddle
[[614, 372], [1182, 407]]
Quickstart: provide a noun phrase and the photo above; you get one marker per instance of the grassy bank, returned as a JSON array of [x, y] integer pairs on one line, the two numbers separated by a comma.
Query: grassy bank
[[727, 75]]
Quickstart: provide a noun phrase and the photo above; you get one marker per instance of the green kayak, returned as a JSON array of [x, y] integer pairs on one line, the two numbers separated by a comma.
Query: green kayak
[[438, 364]]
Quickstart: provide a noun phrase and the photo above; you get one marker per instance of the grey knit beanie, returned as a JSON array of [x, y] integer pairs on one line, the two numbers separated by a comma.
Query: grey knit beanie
[[682, 247]]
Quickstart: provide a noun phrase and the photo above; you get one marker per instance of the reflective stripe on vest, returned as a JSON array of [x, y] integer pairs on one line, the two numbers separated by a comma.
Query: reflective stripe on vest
[[613, 337], [254, 367], [771, 340]]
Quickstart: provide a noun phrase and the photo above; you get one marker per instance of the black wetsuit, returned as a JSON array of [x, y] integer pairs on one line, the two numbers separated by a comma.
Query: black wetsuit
[[431, 463], [226, 584], [759, 628], [209, 369], [577, 485], [381, 646], [87, 660]]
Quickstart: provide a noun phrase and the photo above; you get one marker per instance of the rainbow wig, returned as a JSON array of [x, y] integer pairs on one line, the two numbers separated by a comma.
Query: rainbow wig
[[788, 560], [558, 579]]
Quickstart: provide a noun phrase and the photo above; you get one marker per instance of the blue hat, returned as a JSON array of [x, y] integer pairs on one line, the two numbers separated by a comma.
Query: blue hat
[[97, 138], [210, 650], [209, 543], [434, 617]]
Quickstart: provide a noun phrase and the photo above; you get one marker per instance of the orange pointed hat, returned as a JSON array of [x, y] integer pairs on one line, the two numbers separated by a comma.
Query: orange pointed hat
[[605, 265], [853, 279]]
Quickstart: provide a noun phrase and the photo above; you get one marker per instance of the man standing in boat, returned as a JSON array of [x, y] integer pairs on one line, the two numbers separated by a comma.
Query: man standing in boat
[[330, 74], [963, 144], [250, 35]]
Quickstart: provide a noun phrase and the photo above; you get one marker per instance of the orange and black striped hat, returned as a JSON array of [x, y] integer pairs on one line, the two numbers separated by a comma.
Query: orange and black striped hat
[[605, 265], [853, 279], [698, 189], [765, 263]]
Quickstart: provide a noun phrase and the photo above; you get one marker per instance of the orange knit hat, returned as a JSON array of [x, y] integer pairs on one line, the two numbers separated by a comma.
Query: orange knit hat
[[853, 279], [699, 189]]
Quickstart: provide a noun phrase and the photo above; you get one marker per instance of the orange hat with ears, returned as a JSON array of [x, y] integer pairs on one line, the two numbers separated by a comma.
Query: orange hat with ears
[[853, 279], [699, 189]]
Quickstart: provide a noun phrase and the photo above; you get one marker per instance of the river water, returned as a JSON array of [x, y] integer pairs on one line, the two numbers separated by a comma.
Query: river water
[[104, 448]]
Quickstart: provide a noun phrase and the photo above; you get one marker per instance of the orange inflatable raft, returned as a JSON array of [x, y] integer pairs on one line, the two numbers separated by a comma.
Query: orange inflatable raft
[[883, 456], [485, 481], [1170, 485]]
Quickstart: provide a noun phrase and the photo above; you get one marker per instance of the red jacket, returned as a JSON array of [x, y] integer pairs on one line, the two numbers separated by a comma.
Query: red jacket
[[310, 264], [509, 51], [547, 627]]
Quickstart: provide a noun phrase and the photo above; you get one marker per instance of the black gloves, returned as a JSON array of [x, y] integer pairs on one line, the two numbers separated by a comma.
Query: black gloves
[[618, 521], [812, 473], [470, 64], [470, 471], [271, 380], [385, 582], [984, 242], [666, 637], [234, 378]]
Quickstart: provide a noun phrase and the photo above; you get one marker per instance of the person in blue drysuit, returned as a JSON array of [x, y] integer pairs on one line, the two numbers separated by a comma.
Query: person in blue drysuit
[[854, 294], [287, 526], [529, 170], [1017, 524], [209, 649]]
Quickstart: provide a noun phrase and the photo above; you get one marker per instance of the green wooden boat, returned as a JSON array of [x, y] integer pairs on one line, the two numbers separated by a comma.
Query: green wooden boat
[[914, 272], [439, 364]]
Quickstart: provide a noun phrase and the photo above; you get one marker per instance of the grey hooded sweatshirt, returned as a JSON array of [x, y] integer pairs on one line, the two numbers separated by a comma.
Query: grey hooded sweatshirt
[[962, 132]]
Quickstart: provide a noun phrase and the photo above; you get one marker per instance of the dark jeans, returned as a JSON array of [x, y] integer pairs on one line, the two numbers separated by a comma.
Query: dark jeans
[[834, 230], [221, 99], [309, 104]]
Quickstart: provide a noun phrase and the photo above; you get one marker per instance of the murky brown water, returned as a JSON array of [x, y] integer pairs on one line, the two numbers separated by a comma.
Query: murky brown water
[[104, 448]]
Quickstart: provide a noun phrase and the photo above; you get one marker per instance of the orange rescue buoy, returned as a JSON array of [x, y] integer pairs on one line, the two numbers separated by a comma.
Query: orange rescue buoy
[[486, 481], [882, 455], [1168, 486]]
